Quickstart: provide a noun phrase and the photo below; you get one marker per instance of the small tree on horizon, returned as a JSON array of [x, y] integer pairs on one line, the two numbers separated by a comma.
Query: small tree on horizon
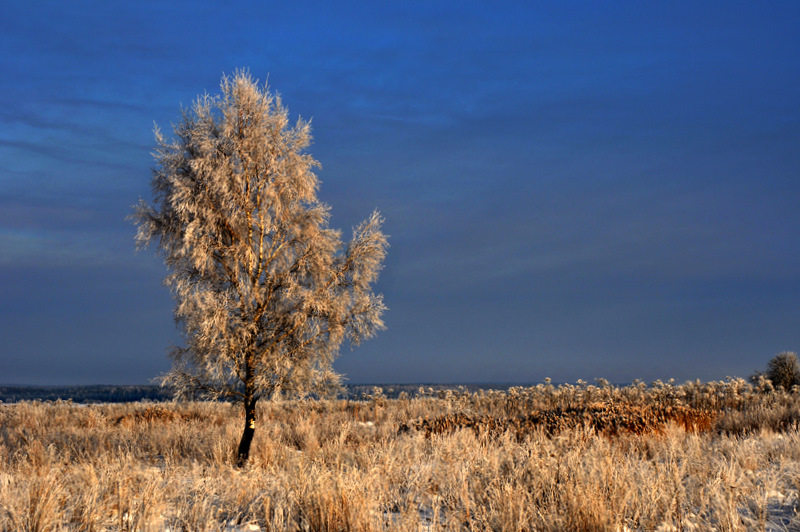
[[784, 370], [265, 291]]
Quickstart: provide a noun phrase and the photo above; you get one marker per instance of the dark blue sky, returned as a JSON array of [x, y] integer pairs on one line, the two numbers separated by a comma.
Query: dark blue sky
[[572, 190]]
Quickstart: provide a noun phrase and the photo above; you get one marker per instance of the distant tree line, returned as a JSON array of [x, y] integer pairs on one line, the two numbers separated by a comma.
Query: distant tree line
[[134, 393], [85, 394]]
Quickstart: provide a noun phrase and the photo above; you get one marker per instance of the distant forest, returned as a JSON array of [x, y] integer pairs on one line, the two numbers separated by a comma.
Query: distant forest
[[128, 393], [84, 394]]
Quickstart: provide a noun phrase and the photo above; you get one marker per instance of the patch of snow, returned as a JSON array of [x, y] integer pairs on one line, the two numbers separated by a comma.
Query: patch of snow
[[246, 527]]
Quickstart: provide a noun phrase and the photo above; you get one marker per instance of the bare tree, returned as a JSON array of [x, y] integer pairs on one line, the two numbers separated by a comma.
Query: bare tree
[[265, 292]]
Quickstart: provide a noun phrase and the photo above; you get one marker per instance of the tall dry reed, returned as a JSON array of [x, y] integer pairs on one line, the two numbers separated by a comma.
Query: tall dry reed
[[373, 465]]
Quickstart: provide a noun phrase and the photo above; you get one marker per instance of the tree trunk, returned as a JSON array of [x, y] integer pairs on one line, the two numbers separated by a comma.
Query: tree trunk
[[247, 437]]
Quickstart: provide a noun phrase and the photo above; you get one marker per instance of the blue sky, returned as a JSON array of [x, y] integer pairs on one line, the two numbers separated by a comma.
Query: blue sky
[[572, 189]]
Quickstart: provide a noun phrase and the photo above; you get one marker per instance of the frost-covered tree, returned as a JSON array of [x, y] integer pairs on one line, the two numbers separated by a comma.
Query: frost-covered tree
[[265, 291]]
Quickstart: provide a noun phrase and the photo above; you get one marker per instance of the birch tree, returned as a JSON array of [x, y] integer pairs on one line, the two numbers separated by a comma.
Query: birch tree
[[265, 291]]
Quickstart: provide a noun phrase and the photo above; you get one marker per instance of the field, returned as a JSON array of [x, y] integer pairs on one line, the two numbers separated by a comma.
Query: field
[[697, 456]]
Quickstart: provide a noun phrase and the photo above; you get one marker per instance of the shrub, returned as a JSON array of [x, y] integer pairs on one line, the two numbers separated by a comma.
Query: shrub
[[784, 370]]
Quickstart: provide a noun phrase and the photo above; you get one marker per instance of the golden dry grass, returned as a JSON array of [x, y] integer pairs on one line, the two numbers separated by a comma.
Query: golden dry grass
[[543, 458]]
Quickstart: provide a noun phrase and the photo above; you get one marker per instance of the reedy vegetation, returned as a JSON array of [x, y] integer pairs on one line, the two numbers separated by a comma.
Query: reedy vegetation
[[345, 465]]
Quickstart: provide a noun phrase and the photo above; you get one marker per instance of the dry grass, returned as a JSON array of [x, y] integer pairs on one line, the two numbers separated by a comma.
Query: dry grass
[[699, 456]]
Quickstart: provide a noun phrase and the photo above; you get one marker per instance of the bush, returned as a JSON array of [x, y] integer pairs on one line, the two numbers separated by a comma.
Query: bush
[[784, 370]]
